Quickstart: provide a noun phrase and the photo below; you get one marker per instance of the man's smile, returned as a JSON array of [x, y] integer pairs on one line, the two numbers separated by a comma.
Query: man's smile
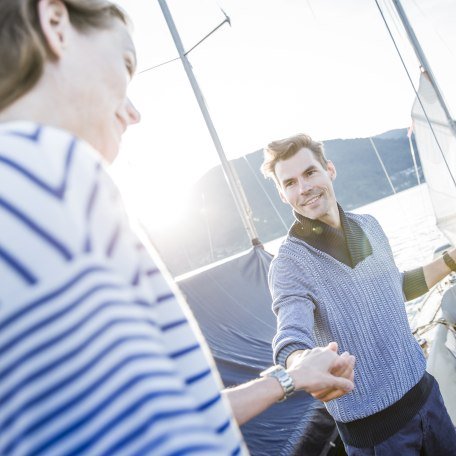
[[312, 200]]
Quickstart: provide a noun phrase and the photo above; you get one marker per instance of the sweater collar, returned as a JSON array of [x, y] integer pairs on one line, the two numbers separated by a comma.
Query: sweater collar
[[307, 228], [348, 244]]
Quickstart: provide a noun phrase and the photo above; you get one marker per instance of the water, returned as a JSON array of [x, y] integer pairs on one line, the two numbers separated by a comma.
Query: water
[[408, 220]]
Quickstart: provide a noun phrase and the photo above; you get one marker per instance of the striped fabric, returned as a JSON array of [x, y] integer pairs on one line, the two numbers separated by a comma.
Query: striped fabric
[[98, 354]]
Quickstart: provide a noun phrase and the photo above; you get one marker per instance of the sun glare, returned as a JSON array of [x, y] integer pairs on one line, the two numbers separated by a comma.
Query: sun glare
[[150, 194]]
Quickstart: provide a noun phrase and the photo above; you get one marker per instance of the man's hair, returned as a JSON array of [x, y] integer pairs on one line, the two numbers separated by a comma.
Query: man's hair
[[23, 48], [284, 149]]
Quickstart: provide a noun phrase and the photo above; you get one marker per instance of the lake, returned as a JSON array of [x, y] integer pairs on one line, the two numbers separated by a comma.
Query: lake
[[408, 220]]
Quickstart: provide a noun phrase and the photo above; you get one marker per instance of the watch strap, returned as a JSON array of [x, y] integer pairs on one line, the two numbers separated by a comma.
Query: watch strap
[[283, 377]]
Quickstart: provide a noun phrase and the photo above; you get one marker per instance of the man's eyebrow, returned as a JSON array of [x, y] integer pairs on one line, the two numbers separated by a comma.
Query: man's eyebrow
[[310, 168], [286, 181]]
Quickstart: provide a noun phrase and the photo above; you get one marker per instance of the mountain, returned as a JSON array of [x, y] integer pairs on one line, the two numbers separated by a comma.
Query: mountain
[[211, 228]]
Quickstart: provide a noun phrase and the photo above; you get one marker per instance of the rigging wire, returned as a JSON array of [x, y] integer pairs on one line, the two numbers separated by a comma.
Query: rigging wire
[[416, 93], [399, 202], [420, 330], [391, 12], [311, 10], [159, 65], [418, 7], [208, 227], [415, 166], [266, 194], [226, 20], [383, 165], [413, 153]]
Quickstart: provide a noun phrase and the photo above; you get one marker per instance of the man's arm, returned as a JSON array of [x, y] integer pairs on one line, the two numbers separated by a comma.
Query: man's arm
[[311, 371], [437, 270]]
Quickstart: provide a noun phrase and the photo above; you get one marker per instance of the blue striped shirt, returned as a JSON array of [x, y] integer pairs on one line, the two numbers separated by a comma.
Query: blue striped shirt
[[99, 355]]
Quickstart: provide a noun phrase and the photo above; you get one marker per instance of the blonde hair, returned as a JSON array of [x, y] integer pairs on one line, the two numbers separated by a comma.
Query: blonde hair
[[23, 48], [283, 149]]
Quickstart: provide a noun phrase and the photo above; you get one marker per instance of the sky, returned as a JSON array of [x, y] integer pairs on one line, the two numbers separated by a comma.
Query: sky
[[323, 67]]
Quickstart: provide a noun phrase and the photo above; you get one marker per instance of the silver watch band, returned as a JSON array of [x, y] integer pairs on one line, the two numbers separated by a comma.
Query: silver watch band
[[286, 382]]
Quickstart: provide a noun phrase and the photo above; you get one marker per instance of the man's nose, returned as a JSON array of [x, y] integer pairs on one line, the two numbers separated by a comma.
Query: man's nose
[[304, 186], [132, 113]]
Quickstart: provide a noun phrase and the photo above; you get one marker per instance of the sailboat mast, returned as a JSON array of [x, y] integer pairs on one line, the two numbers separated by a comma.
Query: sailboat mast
[[423, 60], [233, 181]]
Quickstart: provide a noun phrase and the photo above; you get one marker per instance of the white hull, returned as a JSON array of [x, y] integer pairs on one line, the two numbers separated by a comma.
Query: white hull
[[441, 361]]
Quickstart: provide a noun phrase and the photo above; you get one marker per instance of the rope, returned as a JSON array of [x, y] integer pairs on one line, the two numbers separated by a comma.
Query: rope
[[428, 326]]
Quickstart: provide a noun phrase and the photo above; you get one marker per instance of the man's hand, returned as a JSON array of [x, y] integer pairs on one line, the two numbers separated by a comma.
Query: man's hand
[[321, 372]]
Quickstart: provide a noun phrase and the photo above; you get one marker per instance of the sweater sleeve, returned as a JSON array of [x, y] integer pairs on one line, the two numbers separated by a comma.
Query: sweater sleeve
[[414, 284], [293, 307]]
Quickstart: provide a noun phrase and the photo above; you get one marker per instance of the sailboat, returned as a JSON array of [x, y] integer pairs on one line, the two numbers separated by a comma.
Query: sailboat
[[232, 304]]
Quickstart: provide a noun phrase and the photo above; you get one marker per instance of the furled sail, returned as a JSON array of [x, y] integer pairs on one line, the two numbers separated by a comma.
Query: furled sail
[[436, 142]]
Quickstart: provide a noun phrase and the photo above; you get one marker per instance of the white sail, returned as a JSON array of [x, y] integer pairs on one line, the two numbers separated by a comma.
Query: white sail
[[437, 149]]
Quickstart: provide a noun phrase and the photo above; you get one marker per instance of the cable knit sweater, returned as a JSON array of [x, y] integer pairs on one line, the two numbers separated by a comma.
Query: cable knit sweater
[[318, 299]]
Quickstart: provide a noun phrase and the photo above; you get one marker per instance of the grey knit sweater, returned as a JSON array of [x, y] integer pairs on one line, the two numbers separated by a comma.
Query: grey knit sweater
[[318, 299]]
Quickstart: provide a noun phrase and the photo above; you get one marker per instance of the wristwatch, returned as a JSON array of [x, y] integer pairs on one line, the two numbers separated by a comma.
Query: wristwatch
[[286, 382], [449, 261]]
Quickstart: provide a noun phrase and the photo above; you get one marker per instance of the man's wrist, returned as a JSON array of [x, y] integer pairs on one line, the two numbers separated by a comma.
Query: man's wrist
[[292, 355]]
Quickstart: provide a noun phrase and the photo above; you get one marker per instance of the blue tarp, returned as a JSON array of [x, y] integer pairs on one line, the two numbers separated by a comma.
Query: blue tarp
[[232, 305]]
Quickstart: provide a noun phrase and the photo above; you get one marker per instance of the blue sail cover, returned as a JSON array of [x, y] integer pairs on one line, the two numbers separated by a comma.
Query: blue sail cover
[[232, 304]]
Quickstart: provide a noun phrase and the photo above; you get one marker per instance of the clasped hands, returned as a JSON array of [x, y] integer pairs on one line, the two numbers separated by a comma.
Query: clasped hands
[[322, 372]]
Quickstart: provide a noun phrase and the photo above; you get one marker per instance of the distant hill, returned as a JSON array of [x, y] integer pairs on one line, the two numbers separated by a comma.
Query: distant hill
[[213, 230]]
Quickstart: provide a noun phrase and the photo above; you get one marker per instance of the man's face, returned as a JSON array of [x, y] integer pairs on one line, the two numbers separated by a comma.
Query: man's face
[[306, 185], [103, 62]]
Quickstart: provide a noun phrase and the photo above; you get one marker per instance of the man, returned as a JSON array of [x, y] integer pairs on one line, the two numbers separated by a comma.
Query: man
[[98, 353], [334, 278]]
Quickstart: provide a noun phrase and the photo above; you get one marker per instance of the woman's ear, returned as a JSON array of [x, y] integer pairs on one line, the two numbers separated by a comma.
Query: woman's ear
[[55, 24]]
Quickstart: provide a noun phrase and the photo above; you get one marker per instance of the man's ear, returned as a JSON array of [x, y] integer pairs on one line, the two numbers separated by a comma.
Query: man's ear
[[331, 169], [55, 24]]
